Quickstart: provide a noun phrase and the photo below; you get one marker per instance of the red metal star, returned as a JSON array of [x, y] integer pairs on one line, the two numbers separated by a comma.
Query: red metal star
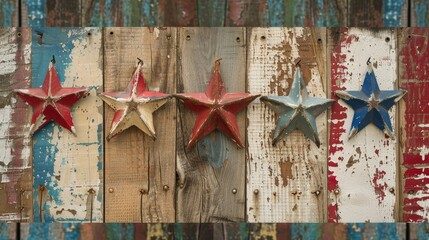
[[51, 101], [215, 109]]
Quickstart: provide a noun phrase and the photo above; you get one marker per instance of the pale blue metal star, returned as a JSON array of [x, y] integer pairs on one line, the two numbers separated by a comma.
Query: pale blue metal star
[[297, 110], [371, 105]]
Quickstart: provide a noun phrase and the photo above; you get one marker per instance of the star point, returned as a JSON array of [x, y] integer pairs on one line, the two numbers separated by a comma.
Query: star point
[[51, 102], [371, 105], [297, 110], [134, 106], [215, 109]]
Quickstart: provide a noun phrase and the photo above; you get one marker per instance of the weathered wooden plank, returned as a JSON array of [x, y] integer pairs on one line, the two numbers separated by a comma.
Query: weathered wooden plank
[[9, 13], [140, 172], [362, 171], [8, 231], [67, 167], [413, 68], [230, 231], [51, 13], [178, 13], [419, 13], [299, 13], [377, 13], [211, 13], [246, 13], [376, 231], [60, 231], [282, 180], [205, 192], [118, 13], [15, 144], [419, 231]]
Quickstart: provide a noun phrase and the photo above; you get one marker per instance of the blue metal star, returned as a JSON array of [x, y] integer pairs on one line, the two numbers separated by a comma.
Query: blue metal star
[[371, 105], [297, 110]]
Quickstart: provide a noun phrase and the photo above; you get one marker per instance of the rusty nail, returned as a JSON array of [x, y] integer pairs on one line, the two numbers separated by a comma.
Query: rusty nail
[[274, 193], [182, 185], [166, 187], [337, 191], [256, 191], [369, 61], [411, 191], [392, 190], [110, 190], [19, 34], [234, 190], [91, 191], [317, 192], [143, 191], [188, 37]]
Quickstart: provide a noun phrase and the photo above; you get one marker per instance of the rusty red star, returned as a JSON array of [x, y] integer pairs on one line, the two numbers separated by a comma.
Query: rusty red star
[[51, 102], [134, 106], [215, 109]]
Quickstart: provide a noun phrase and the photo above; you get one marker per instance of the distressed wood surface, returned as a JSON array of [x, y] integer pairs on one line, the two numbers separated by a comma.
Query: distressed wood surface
[[205, 192], [247, 13], [362, 171], [15, 144], [419, 13], [69, 166], [9, 13], [300, 13], [134, 162], [287, 175], [377, 13], [51, 13], [419, 231], [413, 69], [8, 231]]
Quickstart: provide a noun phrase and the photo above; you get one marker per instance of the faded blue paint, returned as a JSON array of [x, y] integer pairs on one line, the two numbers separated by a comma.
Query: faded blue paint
[[38, 231], [7, 9], [421, 13], [150, 12], [275, 13], [58, 42], [71, 231], [299, 14], [326, 19], [305, 230], [388, 231], [107, 9], [392, 10], [5, 231], [355, 230], [421, 230], [120, 231], [36, 10], [96, 16], [213, 149]]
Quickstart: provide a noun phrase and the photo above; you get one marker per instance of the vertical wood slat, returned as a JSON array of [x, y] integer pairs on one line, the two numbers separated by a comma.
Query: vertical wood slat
[[15, 144], [362, 170], [8, 231], [287, 175], [413, 62], [300, 13], [205, 193], [69, 166], [419, 13], [135, 162], [9, 13], [377, 13], [51, 13]]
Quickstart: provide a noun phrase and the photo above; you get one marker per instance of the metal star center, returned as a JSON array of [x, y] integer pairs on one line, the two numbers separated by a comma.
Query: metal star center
[[215, 109], [134, 106], [371, 105], [297, 110], [51, 102]]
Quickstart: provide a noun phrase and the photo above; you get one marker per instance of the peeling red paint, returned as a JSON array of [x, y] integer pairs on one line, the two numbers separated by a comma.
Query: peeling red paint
[[379, 187], [332, 213], [414, 69]]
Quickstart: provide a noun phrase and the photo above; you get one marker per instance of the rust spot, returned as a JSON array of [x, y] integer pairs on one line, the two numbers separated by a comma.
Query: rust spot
[[351, 162], [276, 181], [286, 171]]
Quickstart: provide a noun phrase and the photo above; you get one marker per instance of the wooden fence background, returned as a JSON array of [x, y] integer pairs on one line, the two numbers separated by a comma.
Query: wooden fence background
[[292, 13], [55, 176]]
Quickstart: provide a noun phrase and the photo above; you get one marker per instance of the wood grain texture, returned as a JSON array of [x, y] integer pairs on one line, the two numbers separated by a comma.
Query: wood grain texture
[[362, 171], [205, 193], [51, 13], [419, 231], [9, 13], [53, 230], [8, 231], [69, 166], [211, 13], [15, 144], [134, 161], [287, 175], [248, 13], [419, 13], [413, 68], [300, 13], [116, 13], [178, 12], [377, 13]]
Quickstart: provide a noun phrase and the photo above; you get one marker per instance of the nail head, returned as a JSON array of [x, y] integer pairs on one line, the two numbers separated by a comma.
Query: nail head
[[166, 187], [234, 190], [110, 190], [256, 191]]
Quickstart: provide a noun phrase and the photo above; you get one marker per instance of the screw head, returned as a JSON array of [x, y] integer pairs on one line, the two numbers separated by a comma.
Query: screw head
[[181, 185], [256, 191], [392, 190], [234, 190], [317, 192], [91, 191], [166, 187], [337, 191], [411, 191], [110, 190], [188, 37]]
